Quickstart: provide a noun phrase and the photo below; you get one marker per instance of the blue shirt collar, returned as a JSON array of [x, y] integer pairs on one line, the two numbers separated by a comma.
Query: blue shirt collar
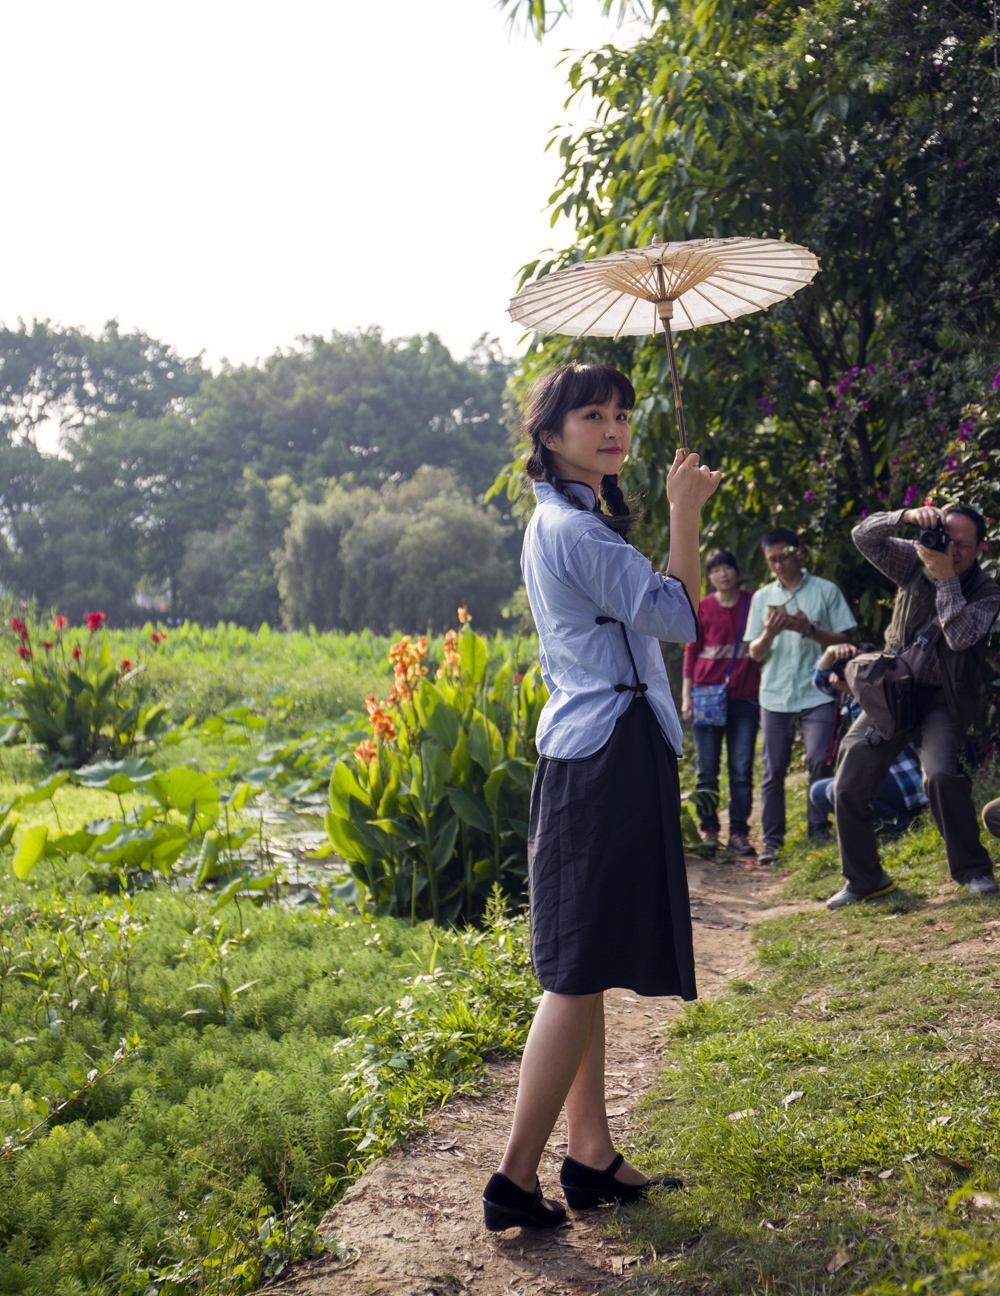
[[584, 493]]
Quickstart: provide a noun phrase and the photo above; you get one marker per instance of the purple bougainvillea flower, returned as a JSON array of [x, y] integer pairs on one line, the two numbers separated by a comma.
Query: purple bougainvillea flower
[[808, 495], [911, 496], [996, 381]]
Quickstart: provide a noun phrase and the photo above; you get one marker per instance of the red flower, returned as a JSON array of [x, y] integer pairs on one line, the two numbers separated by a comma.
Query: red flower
[[23, 652], [124, 665], [95, 620], [77, 653], [19, 628], [155, 638], [47, 646], [59, 622]]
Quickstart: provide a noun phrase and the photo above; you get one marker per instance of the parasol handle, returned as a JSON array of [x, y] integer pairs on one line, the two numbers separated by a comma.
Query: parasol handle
[[665, 310]]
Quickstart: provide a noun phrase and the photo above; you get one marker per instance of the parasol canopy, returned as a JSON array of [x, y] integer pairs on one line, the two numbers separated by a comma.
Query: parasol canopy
[[665, 287]]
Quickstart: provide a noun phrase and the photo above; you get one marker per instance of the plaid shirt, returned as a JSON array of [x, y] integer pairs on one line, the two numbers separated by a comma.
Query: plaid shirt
[[964, 624], [904, 771]]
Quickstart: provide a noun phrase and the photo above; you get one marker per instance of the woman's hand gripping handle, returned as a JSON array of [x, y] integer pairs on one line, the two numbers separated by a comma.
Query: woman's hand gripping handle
[[690, 484]]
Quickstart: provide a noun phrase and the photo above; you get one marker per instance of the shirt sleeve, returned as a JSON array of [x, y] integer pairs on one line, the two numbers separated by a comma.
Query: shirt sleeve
[[837, 611], [822, 680], [964, 624], [755, 621], [875, 540], [622, 583]]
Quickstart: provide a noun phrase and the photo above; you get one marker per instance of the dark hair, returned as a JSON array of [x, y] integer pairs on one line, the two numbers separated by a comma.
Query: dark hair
[[721, 558], [557, 392], [974, 516], [779, 535]]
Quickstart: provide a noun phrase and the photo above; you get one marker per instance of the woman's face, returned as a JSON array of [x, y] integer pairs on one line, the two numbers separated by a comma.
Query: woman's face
[[593, 443], [724, 578]]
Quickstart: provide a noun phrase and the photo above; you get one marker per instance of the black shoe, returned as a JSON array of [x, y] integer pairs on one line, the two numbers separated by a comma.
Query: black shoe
[[584, 1188], [820, 836], [507, 1206]]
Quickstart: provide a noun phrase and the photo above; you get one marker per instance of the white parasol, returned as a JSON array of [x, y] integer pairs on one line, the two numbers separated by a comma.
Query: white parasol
[[666, 286]]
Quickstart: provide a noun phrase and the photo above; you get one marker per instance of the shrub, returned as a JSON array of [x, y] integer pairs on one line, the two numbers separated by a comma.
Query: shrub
[[75, 701], [433, 810]]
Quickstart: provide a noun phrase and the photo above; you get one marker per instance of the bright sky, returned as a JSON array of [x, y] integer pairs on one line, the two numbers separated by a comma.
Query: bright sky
[[228, 174]]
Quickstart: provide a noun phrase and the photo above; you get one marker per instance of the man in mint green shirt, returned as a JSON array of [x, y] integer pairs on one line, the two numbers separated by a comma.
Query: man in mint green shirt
[[792, 620]]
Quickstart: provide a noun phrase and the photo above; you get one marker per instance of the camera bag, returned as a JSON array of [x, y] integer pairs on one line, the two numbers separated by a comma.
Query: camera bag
[[885, 684]]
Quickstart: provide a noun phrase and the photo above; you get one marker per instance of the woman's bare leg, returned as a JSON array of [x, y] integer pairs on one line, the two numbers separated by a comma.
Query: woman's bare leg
[[556, 1044], [589, 1139], [563, 1062]]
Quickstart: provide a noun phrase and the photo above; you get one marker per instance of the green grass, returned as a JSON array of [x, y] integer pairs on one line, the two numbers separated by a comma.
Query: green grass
[[272, 1053], [838, 1119]]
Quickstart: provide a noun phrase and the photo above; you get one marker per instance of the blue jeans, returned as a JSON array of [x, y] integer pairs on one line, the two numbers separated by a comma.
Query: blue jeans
[[889, 811], [740, 733]]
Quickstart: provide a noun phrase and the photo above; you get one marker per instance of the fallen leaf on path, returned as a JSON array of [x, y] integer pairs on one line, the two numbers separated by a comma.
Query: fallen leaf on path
[[741, 1114], [793, 1096], [885, 1174], [617, 1111], [837, 1261], [951, 1162], [985, 1201]]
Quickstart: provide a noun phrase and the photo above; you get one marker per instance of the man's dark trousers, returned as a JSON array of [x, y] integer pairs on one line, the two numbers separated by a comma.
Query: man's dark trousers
[[778, 728], [863, 763]]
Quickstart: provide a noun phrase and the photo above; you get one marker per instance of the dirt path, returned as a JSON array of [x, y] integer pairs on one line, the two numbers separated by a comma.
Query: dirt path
[[413, 1222]]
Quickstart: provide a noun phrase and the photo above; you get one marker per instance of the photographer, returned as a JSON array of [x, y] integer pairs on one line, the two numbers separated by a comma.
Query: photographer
[[944, 593]]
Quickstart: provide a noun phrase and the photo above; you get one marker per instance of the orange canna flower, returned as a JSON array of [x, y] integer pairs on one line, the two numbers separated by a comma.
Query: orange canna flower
[[464, 616], [366, 751]]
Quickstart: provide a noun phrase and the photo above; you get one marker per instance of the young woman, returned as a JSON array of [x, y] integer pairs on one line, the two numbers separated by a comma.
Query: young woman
[[719, 655], [608, 892]]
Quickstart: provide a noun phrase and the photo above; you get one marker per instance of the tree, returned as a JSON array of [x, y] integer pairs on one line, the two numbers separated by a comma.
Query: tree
[[357, 406], [65, 551], [309, 567], [407, 556], [50, 374], [868, 131]]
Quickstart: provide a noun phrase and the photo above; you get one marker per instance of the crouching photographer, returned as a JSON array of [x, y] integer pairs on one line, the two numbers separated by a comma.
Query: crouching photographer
[[938, 637]]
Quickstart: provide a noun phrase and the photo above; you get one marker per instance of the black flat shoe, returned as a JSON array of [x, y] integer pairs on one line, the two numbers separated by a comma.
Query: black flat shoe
[[584, 1188], [507, 1206]]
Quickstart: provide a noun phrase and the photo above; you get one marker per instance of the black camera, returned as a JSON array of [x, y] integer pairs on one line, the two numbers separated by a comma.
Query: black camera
[[934, 538]]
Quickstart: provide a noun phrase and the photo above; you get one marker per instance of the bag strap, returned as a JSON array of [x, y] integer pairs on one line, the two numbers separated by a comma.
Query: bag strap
[[739, 634]]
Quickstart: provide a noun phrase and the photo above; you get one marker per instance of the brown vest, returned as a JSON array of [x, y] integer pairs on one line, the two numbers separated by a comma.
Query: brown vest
[[961, 672]]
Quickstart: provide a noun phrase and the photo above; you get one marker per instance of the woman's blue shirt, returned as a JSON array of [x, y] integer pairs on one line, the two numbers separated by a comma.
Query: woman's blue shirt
[[576, 569]]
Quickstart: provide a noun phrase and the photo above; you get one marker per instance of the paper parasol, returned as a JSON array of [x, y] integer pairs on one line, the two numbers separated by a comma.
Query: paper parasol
[[666, 286]]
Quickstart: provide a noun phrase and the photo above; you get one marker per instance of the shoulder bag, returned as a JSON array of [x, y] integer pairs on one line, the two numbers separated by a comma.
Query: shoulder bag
[[710, 702], [885, 684]]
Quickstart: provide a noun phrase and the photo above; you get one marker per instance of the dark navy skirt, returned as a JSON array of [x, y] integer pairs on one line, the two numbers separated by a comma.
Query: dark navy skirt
[[607, 884]]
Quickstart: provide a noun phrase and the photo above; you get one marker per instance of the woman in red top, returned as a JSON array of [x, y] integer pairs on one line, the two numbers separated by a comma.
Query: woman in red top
[[722, 617]]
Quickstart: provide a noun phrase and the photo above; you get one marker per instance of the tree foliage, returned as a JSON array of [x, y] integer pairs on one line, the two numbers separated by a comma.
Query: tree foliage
[[65, 376], [868, 131], [176, 486], [406, 556]]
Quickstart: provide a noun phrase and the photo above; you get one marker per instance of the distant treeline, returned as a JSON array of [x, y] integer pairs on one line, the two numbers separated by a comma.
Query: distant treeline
[[337, 484]]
